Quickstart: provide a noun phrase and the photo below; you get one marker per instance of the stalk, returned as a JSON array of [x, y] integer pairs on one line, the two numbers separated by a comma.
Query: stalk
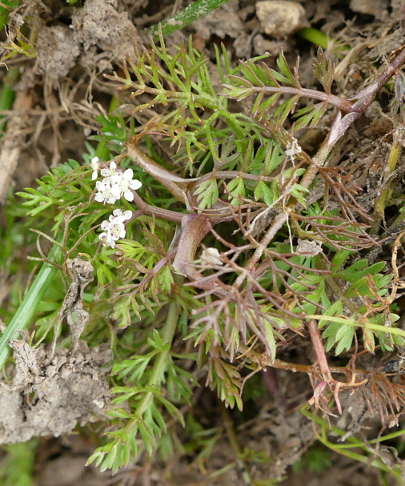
[[159, 367]]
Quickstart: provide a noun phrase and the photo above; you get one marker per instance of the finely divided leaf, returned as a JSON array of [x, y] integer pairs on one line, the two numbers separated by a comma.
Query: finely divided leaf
[[324, 70]]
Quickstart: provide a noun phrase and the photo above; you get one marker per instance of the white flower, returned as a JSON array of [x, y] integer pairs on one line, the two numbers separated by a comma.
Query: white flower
[[115, 183], [211, 257], [109, 173], [293, 148], [114, 228], [106, 193], [121, 216], [124, 183], [107, 239], [95, 166]]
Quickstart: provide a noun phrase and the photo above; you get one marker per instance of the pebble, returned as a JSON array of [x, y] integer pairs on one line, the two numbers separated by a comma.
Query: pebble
[[281, 18]]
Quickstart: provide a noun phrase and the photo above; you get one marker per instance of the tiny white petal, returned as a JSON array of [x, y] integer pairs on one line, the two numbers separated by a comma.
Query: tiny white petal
[[106, 240], [115, 191], [135, 184], [100, 186], [99, 197], [109, 173], [128, 174], [114, 228], [95, 166], [211, 257], [129, 196]]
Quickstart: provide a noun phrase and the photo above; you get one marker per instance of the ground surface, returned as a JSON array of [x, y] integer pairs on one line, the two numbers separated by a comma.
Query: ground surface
[[63, 89]]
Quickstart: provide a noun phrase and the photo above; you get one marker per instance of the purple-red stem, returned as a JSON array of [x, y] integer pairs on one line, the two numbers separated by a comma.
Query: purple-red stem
[[319, 350]]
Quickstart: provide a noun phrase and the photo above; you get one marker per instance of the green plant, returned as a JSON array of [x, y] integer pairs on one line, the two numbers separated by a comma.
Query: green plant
[[18, 468], [357, 449], [229, 240], [315, 459]]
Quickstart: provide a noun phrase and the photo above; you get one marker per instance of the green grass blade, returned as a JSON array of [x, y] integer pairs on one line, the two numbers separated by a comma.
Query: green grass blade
[[28, 306]]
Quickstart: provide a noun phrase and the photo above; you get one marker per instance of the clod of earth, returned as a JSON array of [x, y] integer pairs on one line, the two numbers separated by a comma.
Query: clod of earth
[[52, 397]]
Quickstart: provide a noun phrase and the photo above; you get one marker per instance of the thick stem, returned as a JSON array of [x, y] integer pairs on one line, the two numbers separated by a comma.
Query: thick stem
[[263, 361], [172, 182], [194, 228], [155, 211]]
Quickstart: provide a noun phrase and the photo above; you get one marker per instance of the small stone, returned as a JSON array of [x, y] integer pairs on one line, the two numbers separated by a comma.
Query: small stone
[[281, 18], [370, 7]]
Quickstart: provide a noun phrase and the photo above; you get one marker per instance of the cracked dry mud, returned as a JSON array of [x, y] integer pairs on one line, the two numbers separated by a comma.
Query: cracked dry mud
[[51, 398]]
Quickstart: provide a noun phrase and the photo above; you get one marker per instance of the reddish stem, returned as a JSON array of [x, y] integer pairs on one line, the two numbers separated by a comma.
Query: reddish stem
[[194, 227], [319, 350]]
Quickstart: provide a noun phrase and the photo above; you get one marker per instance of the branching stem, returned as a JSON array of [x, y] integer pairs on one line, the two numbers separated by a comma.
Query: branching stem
[[339, 127], [341, 103]]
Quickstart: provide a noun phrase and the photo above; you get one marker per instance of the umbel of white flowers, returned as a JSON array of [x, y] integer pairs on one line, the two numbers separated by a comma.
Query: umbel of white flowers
[[114, 185], [114, 228]]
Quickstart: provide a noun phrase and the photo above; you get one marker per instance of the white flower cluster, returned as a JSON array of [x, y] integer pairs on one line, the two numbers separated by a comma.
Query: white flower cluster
[[114, 228], [114, 185]]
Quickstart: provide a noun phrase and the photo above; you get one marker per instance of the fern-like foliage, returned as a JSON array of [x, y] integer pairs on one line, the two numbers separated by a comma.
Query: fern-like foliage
[[240, 237], [268, 85]]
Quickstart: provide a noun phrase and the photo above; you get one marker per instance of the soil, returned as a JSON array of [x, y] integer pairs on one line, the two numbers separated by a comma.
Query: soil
[[59, 93]]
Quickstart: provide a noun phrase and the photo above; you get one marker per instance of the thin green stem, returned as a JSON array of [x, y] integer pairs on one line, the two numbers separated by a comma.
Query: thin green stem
[[185, 17], [102, 151], [342, 448], [159, 367], [365, 324], [315, 36], [359, 457]]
